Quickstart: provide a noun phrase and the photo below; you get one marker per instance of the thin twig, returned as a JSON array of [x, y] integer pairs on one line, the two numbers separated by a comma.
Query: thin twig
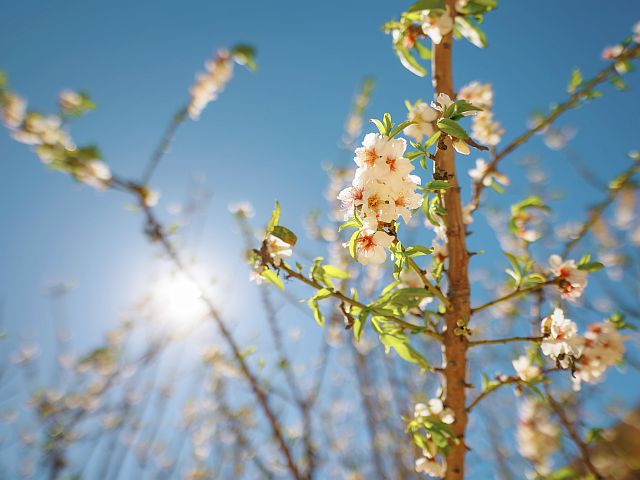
[[163, 146], [567, 105]]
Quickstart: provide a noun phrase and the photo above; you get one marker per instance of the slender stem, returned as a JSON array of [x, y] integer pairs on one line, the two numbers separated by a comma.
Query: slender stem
[[340, 296], [474, 343], [515, 293], [435, 291], [570, 428], [507, 381], [621, 181], [163, 146], [567, 105]]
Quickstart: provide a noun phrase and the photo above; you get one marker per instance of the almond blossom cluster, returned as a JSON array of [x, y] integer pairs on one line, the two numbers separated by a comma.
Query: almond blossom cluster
[[483, 128], [589, 356], [51, 142], [210, 83], [538, 436], [382, 190], [572, 280], [429, 463], [561, 341], [603, 347]]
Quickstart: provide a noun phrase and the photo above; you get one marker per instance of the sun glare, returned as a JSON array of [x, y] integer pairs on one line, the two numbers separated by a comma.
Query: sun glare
[[179, 299]]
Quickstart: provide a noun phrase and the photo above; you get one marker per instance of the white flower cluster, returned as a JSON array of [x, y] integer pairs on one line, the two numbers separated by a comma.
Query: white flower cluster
[[561, 341], [429, 463], [425, 117], [51, 141], [484, 128], [210, 83], [538, 436], [436, 24], [603, 346], [382, 190], [572, 280]]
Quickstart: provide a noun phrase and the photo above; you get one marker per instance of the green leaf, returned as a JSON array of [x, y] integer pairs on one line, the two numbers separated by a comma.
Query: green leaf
[[437, 185], [349, 223], [417, 250], [272, 277], [284, 234], [591, 266], [451, 127], [427, 5], [335, 272], [353, 244], [471, 31], [432, 139], [575, 81], [423, 51], [407, 60], [244, 55], [275, 218], [359, 323], [393, 338], [317, 313], [378, 124], [399, 128]]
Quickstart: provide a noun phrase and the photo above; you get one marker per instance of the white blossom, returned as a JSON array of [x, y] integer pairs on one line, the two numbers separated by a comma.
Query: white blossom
[[430, 466], [14, 109], [538, 436], [278, 249], [560, 341], [424, 116], [436, 24], [526, 370], [603, 347], [210, 83], [370, 246], [479, 173], [572, 281]]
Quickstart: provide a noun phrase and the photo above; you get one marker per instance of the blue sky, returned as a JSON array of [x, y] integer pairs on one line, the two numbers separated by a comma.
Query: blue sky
[[267, 135]]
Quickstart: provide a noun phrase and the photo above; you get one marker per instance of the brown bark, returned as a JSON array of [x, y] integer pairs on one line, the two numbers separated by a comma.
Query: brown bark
[[455, 346]]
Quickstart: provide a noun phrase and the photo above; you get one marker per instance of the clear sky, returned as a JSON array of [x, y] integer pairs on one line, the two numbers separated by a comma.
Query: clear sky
[[267, 135]]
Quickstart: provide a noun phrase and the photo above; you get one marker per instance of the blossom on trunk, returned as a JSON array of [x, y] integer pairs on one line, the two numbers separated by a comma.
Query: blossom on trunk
[[429, 462], [572, 280], [424, 116], [436, 24]]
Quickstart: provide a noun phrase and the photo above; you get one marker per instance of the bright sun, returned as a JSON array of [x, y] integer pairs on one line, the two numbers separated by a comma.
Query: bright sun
[[179, 299]]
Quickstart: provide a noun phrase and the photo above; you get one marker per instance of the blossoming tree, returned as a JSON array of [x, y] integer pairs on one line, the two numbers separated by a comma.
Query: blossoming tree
[[408, 221]]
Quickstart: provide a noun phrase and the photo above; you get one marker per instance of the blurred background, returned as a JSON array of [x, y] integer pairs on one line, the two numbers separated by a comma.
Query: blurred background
[[84, 297]]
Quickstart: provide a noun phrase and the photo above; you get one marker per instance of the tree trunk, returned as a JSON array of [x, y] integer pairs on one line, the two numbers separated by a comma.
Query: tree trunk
[[455, 346]]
